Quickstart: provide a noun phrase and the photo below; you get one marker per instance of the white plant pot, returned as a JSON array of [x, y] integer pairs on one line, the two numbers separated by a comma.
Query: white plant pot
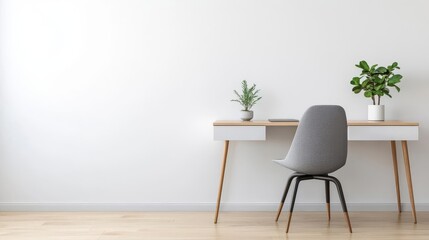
[[246, 115], [376, 112]]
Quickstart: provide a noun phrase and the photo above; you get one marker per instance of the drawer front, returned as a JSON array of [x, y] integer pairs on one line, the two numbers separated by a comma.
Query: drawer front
[[383, 133], [239, 133]]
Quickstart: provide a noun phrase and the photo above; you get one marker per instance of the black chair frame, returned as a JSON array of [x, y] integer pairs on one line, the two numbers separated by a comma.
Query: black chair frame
[[301, 177]]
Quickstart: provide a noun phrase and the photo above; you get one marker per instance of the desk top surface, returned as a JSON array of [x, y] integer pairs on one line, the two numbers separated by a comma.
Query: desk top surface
[[294, 124]]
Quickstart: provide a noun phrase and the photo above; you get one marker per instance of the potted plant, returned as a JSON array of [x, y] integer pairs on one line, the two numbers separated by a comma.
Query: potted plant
[[375, 82], [247, 99]]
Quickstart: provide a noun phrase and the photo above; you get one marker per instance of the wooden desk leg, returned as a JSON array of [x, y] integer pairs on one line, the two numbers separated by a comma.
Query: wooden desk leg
[[409, 181], [395, 171], [222, 174]]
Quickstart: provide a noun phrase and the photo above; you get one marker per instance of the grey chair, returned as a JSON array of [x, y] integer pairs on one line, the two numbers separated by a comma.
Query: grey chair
[[318, 148]]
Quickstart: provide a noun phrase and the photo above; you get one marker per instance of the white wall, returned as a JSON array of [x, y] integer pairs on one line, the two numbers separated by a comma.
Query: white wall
[[109, 104]]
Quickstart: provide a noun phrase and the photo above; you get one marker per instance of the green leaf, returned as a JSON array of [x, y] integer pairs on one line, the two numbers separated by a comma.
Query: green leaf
[[355, 81], [379, 93], [357, 89], [381, 70], [394, 65], [394, 79], [365, 83], [373, 67], [364, 65], [378, 87], [368, 94], [378, 80]]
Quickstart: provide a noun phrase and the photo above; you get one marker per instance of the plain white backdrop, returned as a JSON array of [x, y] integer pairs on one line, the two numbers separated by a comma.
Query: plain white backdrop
[[109, 105]]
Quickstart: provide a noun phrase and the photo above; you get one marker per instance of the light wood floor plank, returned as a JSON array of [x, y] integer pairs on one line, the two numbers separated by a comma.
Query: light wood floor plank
[[199, 225]]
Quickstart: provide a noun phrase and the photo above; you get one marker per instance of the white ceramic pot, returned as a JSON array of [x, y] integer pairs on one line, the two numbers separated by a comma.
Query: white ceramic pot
[[246, 115], [376, 112]]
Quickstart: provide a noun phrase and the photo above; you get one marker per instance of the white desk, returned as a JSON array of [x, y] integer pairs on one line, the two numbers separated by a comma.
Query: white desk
[[357, 131]]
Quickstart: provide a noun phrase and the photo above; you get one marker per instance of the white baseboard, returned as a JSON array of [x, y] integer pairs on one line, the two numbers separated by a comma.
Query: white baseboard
[[185, 207]]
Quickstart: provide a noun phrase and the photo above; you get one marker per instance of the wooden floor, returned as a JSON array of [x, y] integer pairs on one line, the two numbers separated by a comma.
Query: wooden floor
[[199, 225]]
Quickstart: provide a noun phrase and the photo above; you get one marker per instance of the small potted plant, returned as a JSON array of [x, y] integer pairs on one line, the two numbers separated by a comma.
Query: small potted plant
[[375, 82], [247, 99]]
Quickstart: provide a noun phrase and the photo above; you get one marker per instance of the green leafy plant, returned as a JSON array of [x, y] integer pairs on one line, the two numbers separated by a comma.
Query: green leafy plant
[[249, 96], [376, 81]]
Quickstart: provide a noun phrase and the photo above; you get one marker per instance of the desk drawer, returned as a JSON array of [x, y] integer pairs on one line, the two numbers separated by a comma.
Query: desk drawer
[[239, 133], [383, 133]]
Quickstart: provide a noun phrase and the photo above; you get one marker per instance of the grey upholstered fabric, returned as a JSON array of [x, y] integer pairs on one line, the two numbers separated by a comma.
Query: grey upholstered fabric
[[320, 142]]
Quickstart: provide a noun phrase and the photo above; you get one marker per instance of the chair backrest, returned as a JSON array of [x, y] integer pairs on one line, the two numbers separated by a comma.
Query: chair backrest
[[320, 142]]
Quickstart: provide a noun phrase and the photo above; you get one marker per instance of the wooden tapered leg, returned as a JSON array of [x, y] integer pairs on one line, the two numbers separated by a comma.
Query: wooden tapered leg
[[279, 211], [282, 202], [222, 175], [409, 181], [346, 216], [328, 199], [343, 201], [395, 171]]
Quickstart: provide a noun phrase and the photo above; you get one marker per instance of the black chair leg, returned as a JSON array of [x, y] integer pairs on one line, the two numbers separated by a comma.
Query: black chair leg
[[328, 199], [289, 181], [298, 179], [343, 201]]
